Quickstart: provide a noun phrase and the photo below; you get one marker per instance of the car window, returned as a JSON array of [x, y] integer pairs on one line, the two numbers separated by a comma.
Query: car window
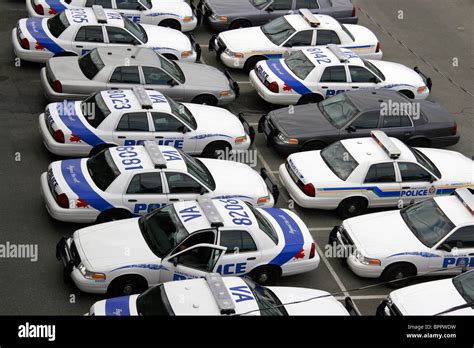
[[182, 183], [154, 302], [145, 183], [237, 242], [120, 36], [172, 68], [368, 120], [264, 225], [381, 172], [155, 76], [103, 3], [128, 4], [311, 4], [126, 74], [339, 160], [303, 38], [395, 121], [282, 4], [361, 75], [134, 122], [95, 110], [90, 64], [299, 64], [462, 238], [413, 172], [58, 24], [102, 169], [325, 37], [464, 284], [334, 74], [166, 123], [201, 258], [90, 34], [425, 161]]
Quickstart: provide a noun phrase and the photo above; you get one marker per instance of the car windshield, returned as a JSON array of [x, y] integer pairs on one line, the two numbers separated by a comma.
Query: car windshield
[[347, 32], [299, 64], [422, 159], [197, 169], [427, 222], [182, 112], [172, 69], [136, 29], [464, 284], [264, 224], [90, 64], [259, 3], [154, 302], [95, 110], [58, 24], [162, 230], [267, 301], [102, 169], [339, 160], [374, 69], [278, 30], [338, 110]]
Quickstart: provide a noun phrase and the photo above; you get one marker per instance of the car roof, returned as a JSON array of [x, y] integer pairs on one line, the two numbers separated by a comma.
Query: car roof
[[372, 99], [324, 56], [114, 18], [159, 101], [136, 56], [298, 22], [455, 209]]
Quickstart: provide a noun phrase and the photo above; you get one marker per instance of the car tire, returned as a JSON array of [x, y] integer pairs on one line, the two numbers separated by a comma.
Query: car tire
[[99, 148], [127, 285], [310, 98], [170, 23], [205, 100], [211, 150], [398, 271], [170, 56], [313, 145], [408, 94], [352, 207], [113, 215], [240, 23], [419, 142], [265, 275], [251, 62]]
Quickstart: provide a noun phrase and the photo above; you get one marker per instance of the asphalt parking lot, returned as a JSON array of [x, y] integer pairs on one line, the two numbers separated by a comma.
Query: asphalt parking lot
[[431, 34]]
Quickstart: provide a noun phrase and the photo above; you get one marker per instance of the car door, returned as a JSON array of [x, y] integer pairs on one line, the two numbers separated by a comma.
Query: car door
[[300, 40], [182, 187], [133, 128], [325, 37], [131, 9], [362, 78], [145, 193], [87, 38], [159, 80], [124, 77], [397, 126], [333, 81], [385, 190], [416, 183], [276, 9], [171, 131], [361, 126], [242, 254]]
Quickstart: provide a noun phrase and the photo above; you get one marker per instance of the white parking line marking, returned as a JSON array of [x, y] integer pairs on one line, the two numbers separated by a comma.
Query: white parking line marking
[[204, 45], [253, 124], [364, 297], [320, 228], [243, 82]]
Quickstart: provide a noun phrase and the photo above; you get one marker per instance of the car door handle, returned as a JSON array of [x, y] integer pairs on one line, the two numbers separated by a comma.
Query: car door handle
[[79, 46], [355, 87], [324, 87], [122, 137], [408, 133], [132, 200], [159, 137], [471, 254], [405, 187], [251, 258], [174, 200]]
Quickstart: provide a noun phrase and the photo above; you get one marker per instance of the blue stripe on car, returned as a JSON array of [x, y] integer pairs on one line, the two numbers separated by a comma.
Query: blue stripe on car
[[277, 68], [151, 266], [72, 173], [67, 114], [294, 240], [119, 306], [35, 28], [56, 5]]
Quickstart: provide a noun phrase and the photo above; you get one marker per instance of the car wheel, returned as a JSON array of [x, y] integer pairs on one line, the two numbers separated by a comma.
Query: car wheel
[[265, 275], [408, 94], [313, 145], [99, 148], [420, 142], [396, 274], [251, 62], [212, 150], [310, 98], [170, 23], [240, 23], [205, 99], [127, 285], [170, 56], [113, 215], [352, 207]]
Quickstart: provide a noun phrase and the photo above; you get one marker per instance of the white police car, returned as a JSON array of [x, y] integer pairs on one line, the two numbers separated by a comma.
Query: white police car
[[77, 31], [188, 240], [214, 295], [352, 175], [129, 117], [432, 237], [313, 74], [175, 14], [120, 182], [243, 48], [453, 296]]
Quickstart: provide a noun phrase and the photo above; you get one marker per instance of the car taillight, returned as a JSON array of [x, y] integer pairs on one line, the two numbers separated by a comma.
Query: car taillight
[[59, 136], [273, 87], [353, 11], [309, 190], [455, 129], [312, 253], [57, 86], [25, 44], [39, 9], [62, 200], [377, 49]]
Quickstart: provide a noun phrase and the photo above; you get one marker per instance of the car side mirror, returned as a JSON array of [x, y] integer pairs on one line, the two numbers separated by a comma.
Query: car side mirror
[[351, 129], [446, 247], [183, 129], [269, 9], [172, 83], [203, 191], [289, 45], [432, 179], [175, 261]]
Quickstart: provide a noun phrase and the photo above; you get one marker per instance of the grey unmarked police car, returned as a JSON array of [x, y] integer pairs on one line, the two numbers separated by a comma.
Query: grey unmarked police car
[[353, 114], [121, 67], [233, 14]]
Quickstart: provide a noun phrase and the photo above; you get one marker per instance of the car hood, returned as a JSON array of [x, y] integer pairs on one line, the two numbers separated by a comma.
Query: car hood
[[166, 38], [435, 112], [102, 247], [246, 40], [454, 166], [204, 77], [234, 7], [215, 120], [398, 74]]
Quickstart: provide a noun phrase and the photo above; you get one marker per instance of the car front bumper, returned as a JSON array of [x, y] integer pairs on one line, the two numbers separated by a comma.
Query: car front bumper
[[35, 56]]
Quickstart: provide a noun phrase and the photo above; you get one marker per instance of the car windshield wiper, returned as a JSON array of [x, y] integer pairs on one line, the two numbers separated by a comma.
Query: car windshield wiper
[[453, 309]]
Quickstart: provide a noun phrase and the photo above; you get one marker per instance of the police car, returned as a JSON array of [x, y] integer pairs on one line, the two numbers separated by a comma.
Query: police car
[[175, 14], [453, 296], [77, 31], [129, 117], [188, 240], [243, 48], [313, 74], [432, 237], [215, 295], [352, 175], [120, 182]]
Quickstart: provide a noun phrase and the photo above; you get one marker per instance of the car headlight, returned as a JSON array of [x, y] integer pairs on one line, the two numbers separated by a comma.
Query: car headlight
[[90, 275], [222, 19], [422, 89], [365, 260], [240, 140], [263, 200], [284, 139], [233, 54], [225, 93], [188, 19], [186, 53]]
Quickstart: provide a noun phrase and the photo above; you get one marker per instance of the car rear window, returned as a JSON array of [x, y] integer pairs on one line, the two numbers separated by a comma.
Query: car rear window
[[58, 24], [299, 64], [90, 64], [102, 169], [95, 110], [339, 160]]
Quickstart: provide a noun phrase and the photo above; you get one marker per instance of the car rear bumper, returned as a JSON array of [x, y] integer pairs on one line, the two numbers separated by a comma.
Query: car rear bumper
[[269, 96], [301, 266], [28, 55], [348, 20], [444, 141], [54, 96]]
